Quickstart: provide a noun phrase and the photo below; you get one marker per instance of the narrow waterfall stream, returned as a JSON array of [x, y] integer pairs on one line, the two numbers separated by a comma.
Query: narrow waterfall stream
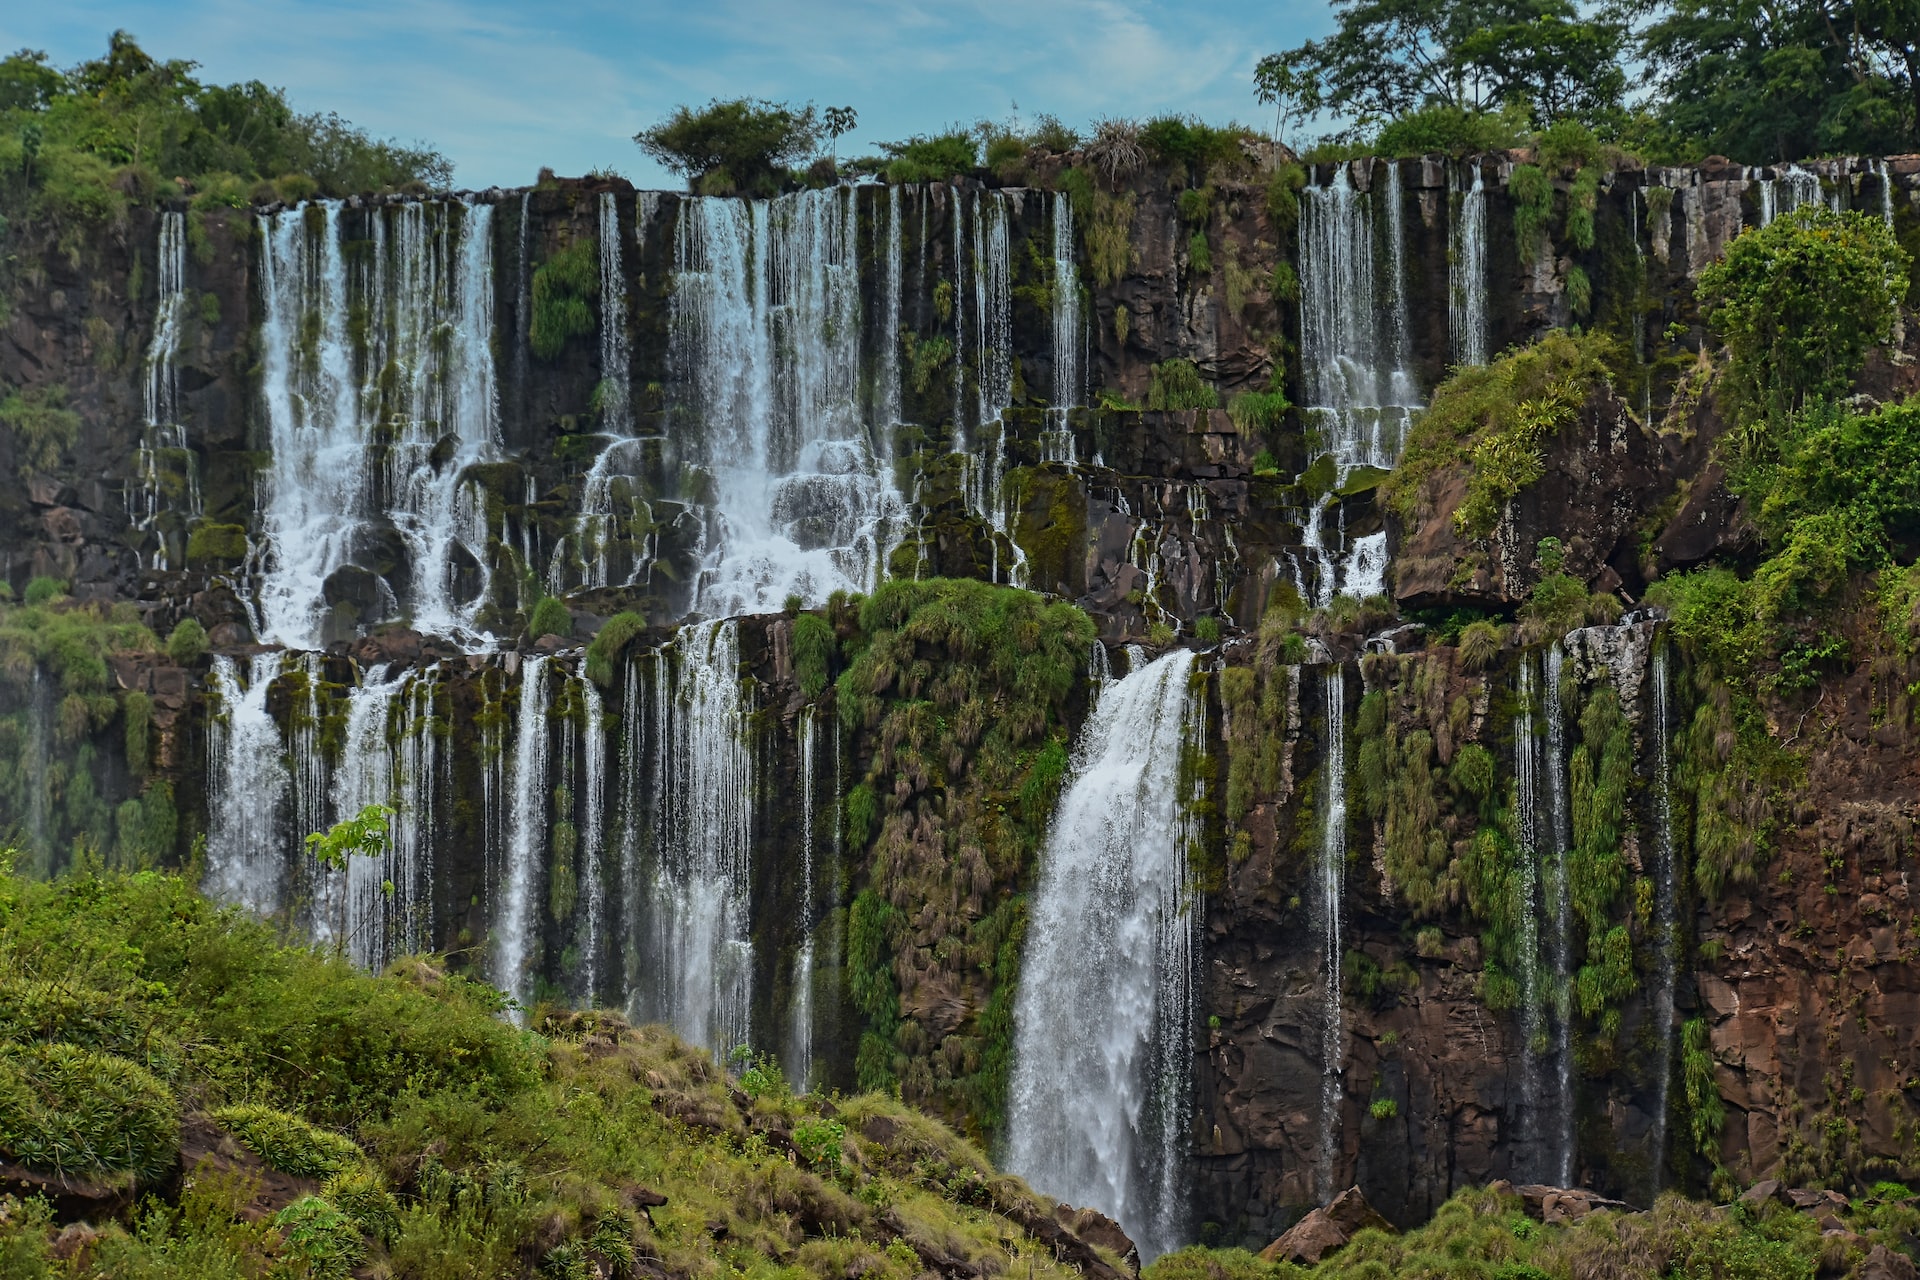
[[516, 928], [164, 455], [1097, 1111], [799, 1065], [593, 837], [1331, 874], [698, 971], [1666, 904], [1559, 835], [1467, 273], [247, 786]]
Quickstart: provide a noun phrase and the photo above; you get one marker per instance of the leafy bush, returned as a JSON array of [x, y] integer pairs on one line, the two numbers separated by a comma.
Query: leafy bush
[[1445, 128], [563, 290], [42, 425], [610, 643], [1177, 384], [737, 146], [323, 1240], [1799, 302], [1532, 193], [1198, 147], [813, 650], [820, 1144], [931, 158]]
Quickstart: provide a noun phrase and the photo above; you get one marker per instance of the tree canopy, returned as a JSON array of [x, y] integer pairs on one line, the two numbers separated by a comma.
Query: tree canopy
[[741, 144]]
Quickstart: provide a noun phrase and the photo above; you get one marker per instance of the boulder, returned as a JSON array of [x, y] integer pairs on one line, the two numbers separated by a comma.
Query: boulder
[[1557, 1206], [1096, 1228], [1325, 1229], [1882, 1263]]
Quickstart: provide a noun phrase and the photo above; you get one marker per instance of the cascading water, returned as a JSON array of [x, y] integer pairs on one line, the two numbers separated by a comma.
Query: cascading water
[[247, 788], [800, 1050], [1355, 358], [1562, 905], [1666, 907], [1786, 191], [1886, 191], [1097, 1110], [765, 350], [163, 442], [593, 838], [1527, 945], [1332, 877], [398, 349], [527, 823], [699, 971], [1467, 292], [615, 392], [984, 468]]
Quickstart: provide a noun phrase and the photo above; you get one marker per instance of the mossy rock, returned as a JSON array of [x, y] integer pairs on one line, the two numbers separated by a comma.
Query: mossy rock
[[288, 1143], [74, 1111], [216, 545], [1319, 479], [1361, 480], [504, 480]]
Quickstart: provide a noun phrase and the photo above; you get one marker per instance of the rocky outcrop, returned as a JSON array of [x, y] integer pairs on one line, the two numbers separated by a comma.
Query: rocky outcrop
[[1325, 1230]]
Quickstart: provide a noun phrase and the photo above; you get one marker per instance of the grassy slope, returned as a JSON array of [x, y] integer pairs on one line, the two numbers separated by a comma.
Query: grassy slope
[[487, 1150]]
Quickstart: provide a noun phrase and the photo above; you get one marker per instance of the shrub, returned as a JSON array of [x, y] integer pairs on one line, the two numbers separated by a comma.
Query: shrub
[[1799, 302], [813, 650], [820, 1143], [1443, 127], [75, 1111], [1532, 193], [747, 142], [1260, 411], [1177, 384], [931, 158], [1198, 147], [1206, 629], [562, 292], [42, 425], [1567, 143], [549, 618], [288, 1143], [1480, 644], [211, 543], [1115, 151], [610, 643], [323, 1240], [1383, 1109], [188, 643], [44, 591]]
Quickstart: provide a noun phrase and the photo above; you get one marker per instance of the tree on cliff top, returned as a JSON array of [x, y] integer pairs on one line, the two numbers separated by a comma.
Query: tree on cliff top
[[743, 145]]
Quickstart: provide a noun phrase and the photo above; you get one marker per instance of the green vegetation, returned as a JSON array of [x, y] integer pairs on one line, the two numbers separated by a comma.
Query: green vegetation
[[1197, 148], [188, 643], [740, 146], [446, 1143], [42, 425], [79, 146], [549, 618], [934, 158], [564, 287], [1177, 384], [1799, 302], [1495, 420], [962, 688], [1444, 127], [609, 645]]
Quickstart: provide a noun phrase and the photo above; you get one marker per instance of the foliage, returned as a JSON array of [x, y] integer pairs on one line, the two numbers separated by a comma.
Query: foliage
[[1263, 411], [1532, 193], [78, 146], [1389, 58], [1600, 779], [1177, 384], [75, 1111], [1449, 129], [1197, 148], [549, 617], [363, 835], [43, 427], [1110, 237], [187, 643], [610, 643], [491, 1152], [737, 146], [1494, 419], [1706, 1115], [1115, 151], [931, 158], [1765, 82], [814, 647], [1799, 302], [288, 1143], [563, 290]]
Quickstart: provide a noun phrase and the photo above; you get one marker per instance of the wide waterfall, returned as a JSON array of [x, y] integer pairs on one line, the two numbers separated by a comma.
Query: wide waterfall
[[1355, 356], [247, 787], [697, 970], [1467, 273], [765, 352], [396, 349], [164, 456], [1331, 875], [1666, 902], [514, 930], [1103, 1019]]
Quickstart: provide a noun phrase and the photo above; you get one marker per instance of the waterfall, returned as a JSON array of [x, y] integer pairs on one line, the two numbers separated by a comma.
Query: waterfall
[[1069, 336], [1557, 841], [765, 351], [1333, 884], [1354, 357], [800, 1052], [36, 764], [1786, 191], [1527, 836], [593, 783], [163, 437], [1467, 294], [515, 932], [888, 383], [390, 756], [398, 349], [700, 972], [1098, 1105], [984, 469], [615, 391], [1666, 917], [1886, 191], [247, 787]]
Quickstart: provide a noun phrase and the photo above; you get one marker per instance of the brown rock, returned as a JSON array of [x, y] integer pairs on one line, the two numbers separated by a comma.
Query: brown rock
[[1883, 1263], [1760, 1192], [1096, 1228], [1306, 1241]]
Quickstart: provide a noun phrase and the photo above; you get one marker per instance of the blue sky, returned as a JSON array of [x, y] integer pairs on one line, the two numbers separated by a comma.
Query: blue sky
[[504, 88]]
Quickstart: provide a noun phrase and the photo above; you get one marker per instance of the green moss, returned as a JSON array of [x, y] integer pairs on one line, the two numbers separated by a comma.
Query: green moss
[[549, 618], [1177, 384], [609, 645], [188, 643], [814, 647], [1531, 191], [216, 545], [43, 427]]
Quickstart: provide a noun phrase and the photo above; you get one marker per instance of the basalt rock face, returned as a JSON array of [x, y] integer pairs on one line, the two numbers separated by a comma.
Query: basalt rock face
[[1801, 981]]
